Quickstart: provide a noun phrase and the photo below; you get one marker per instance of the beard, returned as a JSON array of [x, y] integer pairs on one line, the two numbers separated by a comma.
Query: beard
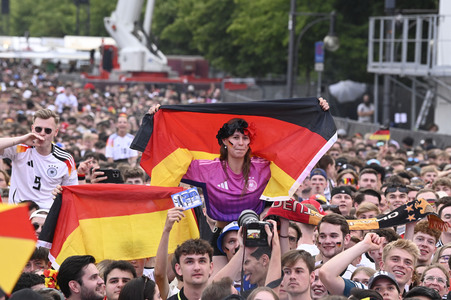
[[87, 294]]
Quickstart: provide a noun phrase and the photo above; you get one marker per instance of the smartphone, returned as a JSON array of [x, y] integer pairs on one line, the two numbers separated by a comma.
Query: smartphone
[[113, 176]]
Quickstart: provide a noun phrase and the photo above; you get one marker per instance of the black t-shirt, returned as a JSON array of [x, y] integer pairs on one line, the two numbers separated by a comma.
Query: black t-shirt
[[179, 296]]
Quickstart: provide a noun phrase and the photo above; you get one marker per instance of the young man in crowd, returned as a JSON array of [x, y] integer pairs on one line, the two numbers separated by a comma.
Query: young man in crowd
[[318, 181], [79, 278], [343, 198], [385, 284], [38, 166], [116, 275], [118, 144], [426, 239], [398, 257], [396, 195], [367, 195], [333, 236], [368, 179], [298, 269]]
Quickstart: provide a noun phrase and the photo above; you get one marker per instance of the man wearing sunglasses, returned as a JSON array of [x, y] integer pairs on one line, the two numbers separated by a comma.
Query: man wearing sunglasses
[[38, 166], [396, 195]]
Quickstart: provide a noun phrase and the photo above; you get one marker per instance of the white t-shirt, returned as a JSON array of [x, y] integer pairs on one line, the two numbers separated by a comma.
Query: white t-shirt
[[364, 108], [33, 176], [310, 248], [63, 100], [118, 147]]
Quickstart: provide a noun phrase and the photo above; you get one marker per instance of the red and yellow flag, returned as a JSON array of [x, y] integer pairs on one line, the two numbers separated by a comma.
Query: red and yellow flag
[[17, 240], [112, 221], [293, 134], [381, 135]]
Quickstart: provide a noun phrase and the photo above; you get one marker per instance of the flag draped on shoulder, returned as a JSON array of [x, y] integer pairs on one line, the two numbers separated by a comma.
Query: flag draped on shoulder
[[112, 221], [291, 134]]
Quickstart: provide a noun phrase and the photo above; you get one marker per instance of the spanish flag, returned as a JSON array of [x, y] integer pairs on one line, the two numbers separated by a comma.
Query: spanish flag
[[112, 221], [381, 135], [292, 134]]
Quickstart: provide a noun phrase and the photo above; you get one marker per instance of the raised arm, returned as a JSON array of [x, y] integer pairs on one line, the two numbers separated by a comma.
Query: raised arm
[[161, 261], [275, 263], [30, 139], [330, 272]]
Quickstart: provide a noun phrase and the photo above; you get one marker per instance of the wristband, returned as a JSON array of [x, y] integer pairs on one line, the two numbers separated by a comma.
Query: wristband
[[81, 176]]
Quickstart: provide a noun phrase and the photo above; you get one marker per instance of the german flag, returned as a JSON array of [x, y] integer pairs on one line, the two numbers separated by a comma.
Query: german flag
[[112, 221], [381, 135], [293, 134], [17, 240]]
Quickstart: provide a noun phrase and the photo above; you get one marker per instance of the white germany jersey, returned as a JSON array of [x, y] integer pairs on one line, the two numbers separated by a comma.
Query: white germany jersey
[[118, 147], [33, 176]]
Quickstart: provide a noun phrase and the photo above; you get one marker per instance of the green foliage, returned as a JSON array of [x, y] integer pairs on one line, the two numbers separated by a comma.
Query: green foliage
[[57, 18], [241, 37]]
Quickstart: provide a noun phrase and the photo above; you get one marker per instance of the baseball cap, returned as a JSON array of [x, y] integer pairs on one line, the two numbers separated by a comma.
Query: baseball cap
[[230, 227], [383, 274], [341, 190], [316, 204], [318, 171]]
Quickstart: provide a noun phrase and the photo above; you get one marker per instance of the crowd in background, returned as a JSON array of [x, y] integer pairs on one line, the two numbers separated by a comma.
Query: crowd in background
[[357, 179]]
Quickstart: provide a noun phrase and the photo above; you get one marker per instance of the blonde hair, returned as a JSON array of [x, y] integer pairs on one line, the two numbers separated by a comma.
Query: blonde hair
[[439, 252], [406, 245], [366, 207], [46, 114]]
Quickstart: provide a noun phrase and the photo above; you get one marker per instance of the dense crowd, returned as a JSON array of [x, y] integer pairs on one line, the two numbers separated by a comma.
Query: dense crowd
[[44, 120]]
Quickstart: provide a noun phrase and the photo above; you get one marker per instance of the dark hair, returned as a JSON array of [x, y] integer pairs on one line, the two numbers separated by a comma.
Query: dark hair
[[218, 290], [72, 269], [358, 294], [193, 246], [440, 211], [325, 161], [31, 205], [290, 258], [121, 265], [135, 172], [335, 219], [389, 234], [224, 132], [40, 253], [50, 294], [362, 193], [423, 291], [442, 200], [260, 251], [138, 289], [27, 281], [230, 127], [296, 228]]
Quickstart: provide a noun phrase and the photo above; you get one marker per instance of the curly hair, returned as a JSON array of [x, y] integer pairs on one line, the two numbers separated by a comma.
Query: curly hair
[[227, 130]]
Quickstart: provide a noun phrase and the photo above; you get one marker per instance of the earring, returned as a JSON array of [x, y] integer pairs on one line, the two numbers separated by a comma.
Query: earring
[[225, 147]]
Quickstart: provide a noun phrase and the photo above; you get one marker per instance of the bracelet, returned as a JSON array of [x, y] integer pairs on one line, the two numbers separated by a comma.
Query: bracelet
[[81, 176], [283, 236]]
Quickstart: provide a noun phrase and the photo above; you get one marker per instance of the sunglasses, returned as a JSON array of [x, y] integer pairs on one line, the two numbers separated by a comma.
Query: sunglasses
[[38, 129], [36, 226], [392, 189], [329, 206]]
